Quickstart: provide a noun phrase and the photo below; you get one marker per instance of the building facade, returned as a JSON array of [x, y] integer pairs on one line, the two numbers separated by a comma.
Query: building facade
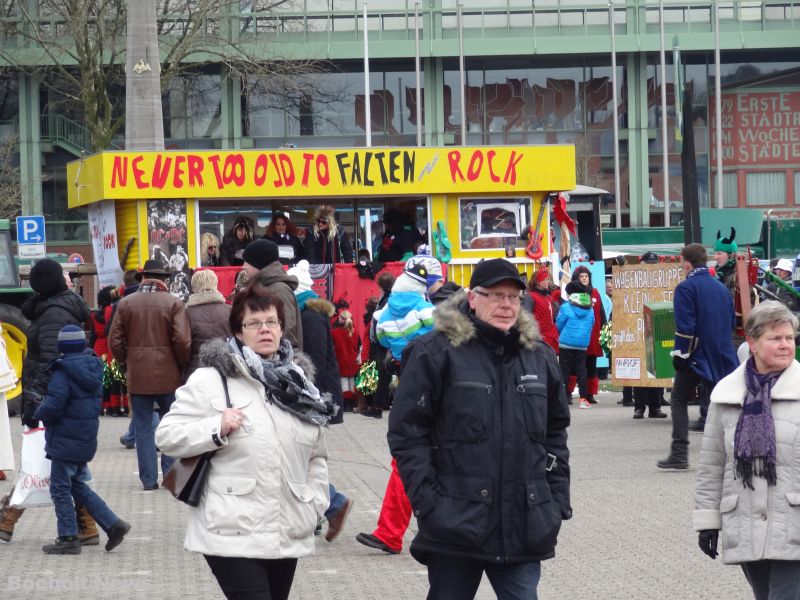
[[535, 72]]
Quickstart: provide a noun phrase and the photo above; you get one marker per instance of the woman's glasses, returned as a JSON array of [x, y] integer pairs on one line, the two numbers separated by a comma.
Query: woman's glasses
[[257, 325]]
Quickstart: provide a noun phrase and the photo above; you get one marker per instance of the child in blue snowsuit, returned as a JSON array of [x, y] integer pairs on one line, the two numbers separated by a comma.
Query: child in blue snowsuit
[[70, 412], [574, 322]]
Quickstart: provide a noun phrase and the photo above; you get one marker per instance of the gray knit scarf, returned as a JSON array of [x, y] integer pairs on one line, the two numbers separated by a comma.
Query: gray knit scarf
[[754, 447], [285, 383]]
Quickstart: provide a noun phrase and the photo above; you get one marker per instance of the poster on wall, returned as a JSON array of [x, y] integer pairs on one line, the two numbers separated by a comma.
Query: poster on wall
[[166, 230], [633, 287], [103, 228], [492, 222]]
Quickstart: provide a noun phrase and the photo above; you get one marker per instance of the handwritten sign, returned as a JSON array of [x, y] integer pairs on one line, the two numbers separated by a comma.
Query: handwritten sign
[[758, 128], [634, 286], [103, 227], [311, 172], [628, 368]]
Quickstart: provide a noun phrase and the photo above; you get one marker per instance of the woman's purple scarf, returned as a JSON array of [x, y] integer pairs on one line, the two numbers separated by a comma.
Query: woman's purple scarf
[[754, 440]]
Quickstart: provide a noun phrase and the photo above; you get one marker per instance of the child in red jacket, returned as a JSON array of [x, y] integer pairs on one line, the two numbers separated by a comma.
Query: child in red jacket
[[347, 346]]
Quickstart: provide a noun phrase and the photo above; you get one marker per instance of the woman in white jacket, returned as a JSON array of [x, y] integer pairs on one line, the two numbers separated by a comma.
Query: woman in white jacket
[[748, 478], [268, 483]]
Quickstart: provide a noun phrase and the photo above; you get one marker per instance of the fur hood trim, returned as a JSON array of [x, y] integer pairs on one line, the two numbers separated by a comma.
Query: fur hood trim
[[209, 297], [321, 305], [216, 354], [450, 318]]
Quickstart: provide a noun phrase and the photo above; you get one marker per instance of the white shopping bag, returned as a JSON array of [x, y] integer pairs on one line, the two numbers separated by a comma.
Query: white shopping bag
[[33, 482]]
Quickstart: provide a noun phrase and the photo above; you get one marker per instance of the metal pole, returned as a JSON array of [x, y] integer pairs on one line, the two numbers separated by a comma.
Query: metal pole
[[718, 105], [664, 140], [368, 231], [461, 78], [417, 68], [617, 185], [367, 107]]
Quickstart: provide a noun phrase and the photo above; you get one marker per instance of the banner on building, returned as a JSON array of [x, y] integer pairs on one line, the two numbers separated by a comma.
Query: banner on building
[[103, 228], [311, 172]]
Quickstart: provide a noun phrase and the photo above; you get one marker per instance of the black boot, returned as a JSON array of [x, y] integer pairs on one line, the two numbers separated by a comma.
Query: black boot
[[672, 462], [63, 545], [375, 413], [638, 414], [115, 534]]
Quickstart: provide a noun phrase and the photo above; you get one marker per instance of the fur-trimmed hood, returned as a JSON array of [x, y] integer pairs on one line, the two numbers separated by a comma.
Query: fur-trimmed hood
[[451, 318], [322, 306], [209, 297], [217, 354]]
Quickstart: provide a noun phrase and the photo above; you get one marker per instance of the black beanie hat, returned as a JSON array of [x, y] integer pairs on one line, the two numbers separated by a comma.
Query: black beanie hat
[[47, 278], [260, 253]]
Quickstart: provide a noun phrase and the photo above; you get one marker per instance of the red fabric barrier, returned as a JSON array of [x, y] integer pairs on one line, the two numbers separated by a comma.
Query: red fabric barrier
[[347, 287], [226, 276]]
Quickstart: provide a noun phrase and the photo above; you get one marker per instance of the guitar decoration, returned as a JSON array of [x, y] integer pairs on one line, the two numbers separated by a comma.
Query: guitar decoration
[[534, 249], [441, 243], [566, 226], [126, 252]]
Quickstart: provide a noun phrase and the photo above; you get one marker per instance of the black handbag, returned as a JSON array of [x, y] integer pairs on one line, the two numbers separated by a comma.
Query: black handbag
[[186, 478]]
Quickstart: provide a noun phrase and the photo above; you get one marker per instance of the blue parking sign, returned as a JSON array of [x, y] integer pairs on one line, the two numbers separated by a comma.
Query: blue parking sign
[[30, 230]]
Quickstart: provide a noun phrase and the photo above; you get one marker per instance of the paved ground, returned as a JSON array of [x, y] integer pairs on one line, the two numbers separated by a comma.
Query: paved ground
[[630, 538]]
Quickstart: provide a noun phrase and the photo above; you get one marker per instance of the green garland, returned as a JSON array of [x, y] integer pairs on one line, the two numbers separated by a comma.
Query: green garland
[[112, 373], [607, 337], [367, 378]]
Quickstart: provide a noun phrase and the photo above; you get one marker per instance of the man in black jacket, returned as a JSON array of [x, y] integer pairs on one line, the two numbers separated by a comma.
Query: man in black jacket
[[479, 432]]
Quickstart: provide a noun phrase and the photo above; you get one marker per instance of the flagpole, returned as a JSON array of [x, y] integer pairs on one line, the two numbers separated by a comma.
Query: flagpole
[[417, 68], [664, 140], [367, 107], [461, 78], [718, 105], [617, 190]]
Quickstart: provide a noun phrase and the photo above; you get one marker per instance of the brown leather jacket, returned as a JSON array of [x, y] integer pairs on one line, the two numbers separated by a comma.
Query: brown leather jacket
[[151, 336]]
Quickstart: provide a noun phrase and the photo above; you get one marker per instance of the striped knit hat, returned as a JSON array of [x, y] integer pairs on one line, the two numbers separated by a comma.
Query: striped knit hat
[[71, 338]]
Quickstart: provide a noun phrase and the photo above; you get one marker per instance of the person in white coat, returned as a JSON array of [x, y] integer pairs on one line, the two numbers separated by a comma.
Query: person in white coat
[[748, 482], [268, 483]]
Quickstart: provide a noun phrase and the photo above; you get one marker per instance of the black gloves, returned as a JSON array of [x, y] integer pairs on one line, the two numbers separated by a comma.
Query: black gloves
[[27, 417], [680, 364], [707, 540]]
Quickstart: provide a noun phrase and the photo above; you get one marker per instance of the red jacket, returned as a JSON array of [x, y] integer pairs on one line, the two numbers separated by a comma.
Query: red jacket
[[346, 348], [594, 348], [545, 316]]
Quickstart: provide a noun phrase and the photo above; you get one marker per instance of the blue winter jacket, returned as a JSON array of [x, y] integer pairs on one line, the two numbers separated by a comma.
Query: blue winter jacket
[[704, 324], [574, 325], [71, 409], [407, 315]]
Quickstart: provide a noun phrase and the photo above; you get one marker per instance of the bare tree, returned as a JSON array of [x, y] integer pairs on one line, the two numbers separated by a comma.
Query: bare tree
[[82, 45], [10, 179]]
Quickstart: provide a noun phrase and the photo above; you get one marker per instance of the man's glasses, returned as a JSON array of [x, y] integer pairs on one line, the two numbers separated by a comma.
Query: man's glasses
[[322, 221], [257, 325], [212, 247], [498, 297]]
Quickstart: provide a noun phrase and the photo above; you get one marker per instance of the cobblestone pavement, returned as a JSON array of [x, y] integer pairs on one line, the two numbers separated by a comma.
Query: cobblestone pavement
[[630, 538]]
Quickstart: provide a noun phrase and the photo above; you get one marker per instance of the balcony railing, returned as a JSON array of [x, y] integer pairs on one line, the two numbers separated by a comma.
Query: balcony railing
[[513, 19]]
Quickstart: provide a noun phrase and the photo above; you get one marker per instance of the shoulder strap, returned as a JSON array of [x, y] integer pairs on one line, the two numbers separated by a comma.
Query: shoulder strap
[[225, 387]]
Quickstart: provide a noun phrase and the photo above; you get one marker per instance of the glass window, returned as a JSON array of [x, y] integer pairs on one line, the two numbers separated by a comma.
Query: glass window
[[764, 189], [327, 109], [8, 268], [192, 109], [730, 190]]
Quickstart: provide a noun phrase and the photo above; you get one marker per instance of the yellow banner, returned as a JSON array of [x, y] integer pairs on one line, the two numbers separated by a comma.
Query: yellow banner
[[309, 172]]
